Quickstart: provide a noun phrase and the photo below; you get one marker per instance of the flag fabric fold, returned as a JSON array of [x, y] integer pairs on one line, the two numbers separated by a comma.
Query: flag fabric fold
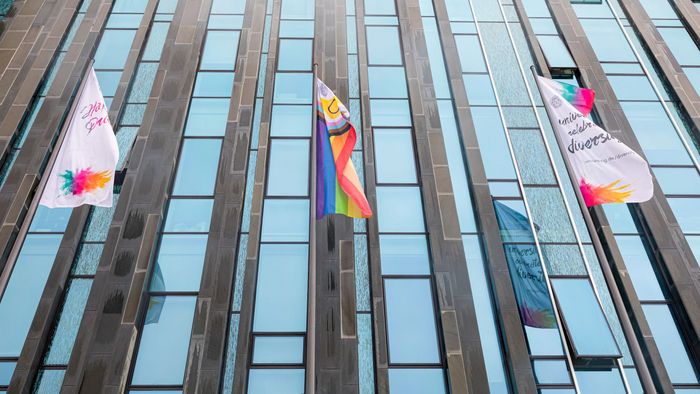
[[607, 170], [84, 169], [338, 188]]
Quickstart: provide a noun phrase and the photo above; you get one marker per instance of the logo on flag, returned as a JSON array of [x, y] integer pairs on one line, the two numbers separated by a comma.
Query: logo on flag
[[607, 170], [84, 169]]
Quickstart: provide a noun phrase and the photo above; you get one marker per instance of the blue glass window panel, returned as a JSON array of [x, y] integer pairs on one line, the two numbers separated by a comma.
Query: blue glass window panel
[[633, 380], [207, 117], [288, 169], [586, 324], [387, 82], [492, 143], [404, 254], [678, 180], [437, 63], [167, 6], [228, 7], [293, 88], [393, 113], [543, 26], [142, 83], [620, 218], [24, 290], [179, 263], [607, 39], [133, 113], [49, 381], [600, 381], [504, 189], [400, 210], [694, 243], [124, 21], [515, 229], [220, 50], [291, 121], [463, 27], [670, 345], [659, 9], [53, 220], [551, 372], [225, 22], [197, 167], [295, 55], [125, 140], [381, 20], [644, 279], [479, 89], [394, 156], [186, 215], [687, 213], [231, 348], [632, 87], [380, 7], [113, 49], [416, 381], [365, 353], [693, 74], [278, 350], [655, 133], [281, 291], [297, 9], [296, 29], [278, 381], [557, 391], [109, 81], [470, 56], [87, 260], [544, 341], [63, 337], [285, 221], [383, 46], [458, 11], [7, 368], [213, 84], [555, 52], [124, 6], [164, 341], [410, 317], [681, 45]]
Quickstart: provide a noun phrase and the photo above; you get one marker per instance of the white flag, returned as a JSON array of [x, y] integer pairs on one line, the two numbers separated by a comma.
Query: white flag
[[85, 165], [607, 170]]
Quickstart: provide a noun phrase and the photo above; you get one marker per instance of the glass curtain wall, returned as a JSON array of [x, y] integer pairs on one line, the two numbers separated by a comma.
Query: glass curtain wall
[[161, 354]]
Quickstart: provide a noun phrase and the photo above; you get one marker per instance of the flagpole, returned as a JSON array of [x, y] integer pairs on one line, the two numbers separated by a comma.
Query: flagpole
[[24, 229], [311, 308], [637, 355]]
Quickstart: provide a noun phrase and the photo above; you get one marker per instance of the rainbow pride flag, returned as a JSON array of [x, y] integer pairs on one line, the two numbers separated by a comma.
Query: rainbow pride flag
[[338, 189]]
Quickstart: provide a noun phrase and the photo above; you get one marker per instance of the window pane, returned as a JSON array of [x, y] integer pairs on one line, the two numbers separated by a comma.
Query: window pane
[[681, 45], [411, 321], [278, 350], [297, 9], [632, 87], [400, 210], [278, 381], [380, 7], [285, 221], [295, 55], [387, 82], [288, 168], [555, 52], [7, 368], [207, 117], [390, 113], [383, 46], [644, 279], [135, 6], [551, 372], [493, 143], [293, 88], [164, 342], [415, 381], [220, 50], [600, 381], [404, 255], [607, 39], [53, 220], [188, 215], [109, 81], [687, 213], [196, 170], [479, 89], [470, 56], [228, 7], [113, 49], [670, 345], [280, 297], [291, 121], [179, 263], [655, 132], [659, 9], [213, 84], [584, 319], [394, 156], [24, 290], [63, 338], [678, 180], [296, 29], [124, 21]]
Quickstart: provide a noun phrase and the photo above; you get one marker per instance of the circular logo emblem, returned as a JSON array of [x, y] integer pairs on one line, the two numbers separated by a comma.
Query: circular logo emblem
[[556, 102]]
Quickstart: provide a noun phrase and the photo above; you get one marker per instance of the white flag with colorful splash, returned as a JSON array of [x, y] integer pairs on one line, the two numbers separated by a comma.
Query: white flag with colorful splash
[[85, 165], [607, 170]]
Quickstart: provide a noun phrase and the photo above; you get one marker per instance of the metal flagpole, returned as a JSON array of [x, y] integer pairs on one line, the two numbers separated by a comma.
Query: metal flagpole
[[311, 309], [14, 253], [644, 375]]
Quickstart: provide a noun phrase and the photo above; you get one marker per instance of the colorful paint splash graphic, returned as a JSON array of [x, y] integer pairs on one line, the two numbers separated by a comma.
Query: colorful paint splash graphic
[[612, 193], [84, 181]]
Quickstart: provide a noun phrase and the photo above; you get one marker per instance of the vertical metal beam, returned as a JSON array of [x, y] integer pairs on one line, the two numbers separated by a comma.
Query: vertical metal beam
[[465, 360]]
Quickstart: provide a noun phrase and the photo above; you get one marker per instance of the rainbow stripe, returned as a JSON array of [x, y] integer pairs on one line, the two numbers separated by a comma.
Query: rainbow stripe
[[84, 181], [580, 98], [338, 188]]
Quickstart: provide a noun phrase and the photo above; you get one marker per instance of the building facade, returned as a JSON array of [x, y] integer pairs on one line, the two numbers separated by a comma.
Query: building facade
[[210, 275]]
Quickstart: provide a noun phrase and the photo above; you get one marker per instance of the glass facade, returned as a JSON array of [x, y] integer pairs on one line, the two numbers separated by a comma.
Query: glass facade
[[212, 103]]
